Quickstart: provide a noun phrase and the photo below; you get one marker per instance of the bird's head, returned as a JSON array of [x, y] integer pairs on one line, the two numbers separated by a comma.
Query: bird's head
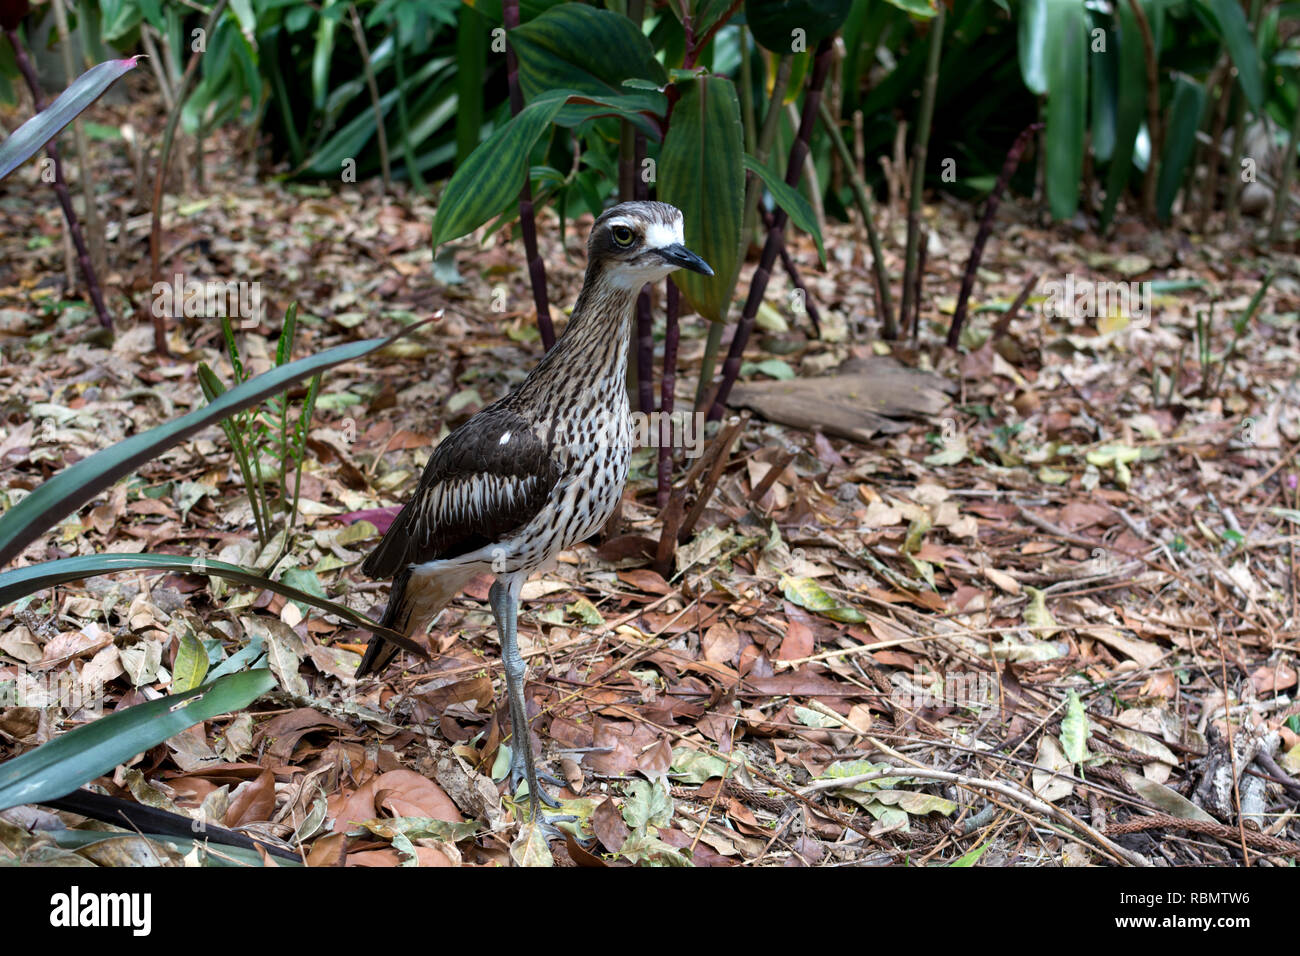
[[638, 242]]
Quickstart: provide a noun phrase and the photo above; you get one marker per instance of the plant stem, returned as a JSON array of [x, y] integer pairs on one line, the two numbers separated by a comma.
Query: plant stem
[[85, 167], [1283, 195], [985, 228], [527, 220], [164, 160], [862, 198], [920, 149], [758, 285], [792, 270], [359, 32], [1239, 136], [61, 186], [1153, 112]]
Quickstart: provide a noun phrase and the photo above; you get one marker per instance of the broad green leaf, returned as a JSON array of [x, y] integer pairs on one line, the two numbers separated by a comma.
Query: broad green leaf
[[1234, 31], [797, 208], [794, 26], [28, 139], [57, 768], [1103, 71], [487, 182], [647, 804], [529, 848], [807, 593], [701, 172], [67, 491], [37, 577], [1067, 104], [1180, 142], [210, 854], [588, 51], [642, 848], [191, 664], [1130, 108], [1031, 45]]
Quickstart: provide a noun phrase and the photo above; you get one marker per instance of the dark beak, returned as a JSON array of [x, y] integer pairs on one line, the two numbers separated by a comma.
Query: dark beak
[[678, 255]]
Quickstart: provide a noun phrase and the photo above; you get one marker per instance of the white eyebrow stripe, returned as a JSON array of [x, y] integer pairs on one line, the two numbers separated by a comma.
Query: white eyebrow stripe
[[658, 234]]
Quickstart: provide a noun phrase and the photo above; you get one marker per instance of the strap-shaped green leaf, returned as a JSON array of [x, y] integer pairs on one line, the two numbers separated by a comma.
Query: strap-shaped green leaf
[[74, 486], [28, 139], [1067, 104], [57, 768], [1234, 31], [37, 577]]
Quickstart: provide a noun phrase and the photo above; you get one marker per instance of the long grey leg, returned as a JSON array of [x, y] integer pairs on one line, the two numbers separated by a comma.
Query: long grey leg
[[505, 608]]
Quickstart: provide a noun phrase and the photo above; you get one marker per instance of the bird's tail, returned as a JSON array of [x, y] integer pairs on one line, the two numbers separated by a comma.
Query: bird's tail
[[379, 651], [417, 596]]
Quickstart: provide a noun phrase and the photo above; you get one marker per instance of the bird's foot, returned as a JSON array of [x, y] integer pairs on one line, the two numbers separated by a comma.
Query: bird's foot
[[519, 774]]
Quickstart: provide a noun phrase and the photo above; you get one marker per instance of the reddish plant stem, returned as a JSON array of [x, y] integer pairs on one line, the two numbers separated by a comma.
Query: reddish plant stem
[[61, 186], [527, 216], [792, 270], [772, 247], [645, 339], [986, 227], [667, 388]]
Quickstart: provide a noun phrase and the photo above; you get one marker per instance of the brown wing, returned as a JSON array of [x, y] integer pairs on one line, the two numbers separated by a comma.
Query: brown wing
[[486, 480]]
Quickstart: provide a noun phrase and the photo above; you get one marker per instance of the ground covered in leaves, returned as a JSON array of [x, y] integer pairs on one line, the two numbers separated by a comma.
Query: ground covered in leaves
[[1052, 623]]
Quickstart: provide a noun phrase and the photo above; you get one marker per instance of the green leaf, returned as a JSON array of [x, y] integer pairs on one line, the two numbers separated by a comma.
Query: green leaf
[[1180, 142], [807, 593], [27, 140], [971, 857], [37, 577], [191, 664], [589, 52], [488, 181], [1067, 104], [648, 804], [796, 207], [1234, 31], [1031, 45], [1103, 70], [795, 26], [67, 491], [57, 768], [701, 172], [1074, 730], [1130, 109]]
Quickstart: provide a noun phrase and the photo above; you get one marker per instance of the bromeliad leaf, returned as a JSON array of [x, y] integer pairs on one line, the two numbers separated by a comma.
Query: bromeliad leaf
[[57, 768], [28, 139], [71, 488]]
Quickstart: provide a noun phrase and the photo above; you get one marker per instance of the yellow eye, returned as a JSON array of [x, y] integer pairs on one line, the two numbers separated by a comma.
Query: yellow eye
[[623, 236]]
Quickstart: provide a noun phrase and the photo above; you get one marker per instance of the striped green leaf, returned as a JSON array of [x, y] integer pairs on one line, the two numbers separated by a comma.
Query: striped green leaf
[[701, 172], [796, 26], [1180, 142], [57, 768], [74, 486], [590, 52], [1067, 103], [488, 181], [796, 207]]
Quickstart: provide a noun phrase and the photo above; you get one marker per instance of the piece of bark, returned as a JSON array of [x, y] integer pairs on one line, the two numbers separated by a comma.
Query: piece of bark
[[862, 398]]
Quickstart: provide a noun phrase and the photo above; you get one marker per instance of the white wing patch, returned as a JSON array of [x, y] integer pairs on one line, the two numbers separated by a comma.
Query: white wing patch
[[505, 438]]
